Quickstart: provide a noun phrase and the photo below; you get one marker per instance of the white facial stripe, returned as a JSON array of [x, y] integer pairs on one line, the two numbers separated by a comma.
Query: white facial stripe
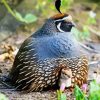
[[61, 19], [58, 26], [69, 18]]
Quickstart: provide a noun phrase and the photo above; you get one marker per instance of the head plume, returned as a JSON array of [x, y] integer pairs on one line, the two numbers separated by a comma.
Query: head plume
[[58, 4]]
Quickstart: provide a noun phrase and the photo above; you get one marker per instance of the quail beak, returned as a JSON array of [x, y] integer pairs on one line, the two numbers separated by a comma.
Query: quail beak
[[73, 24]]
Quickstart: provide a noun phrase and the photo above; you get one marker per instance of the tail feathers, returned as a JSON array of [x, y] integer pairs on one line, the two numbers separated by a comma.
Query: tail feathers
[[89, 49], [5, 84]]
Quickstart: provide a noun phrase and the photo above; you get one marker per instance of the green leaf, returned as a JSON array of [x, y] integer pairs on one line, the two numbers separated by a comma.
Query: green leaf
[[79, 94], [3, 97], [18, 16], [61, 96], [58, 95], [94, 91], [29, 18]]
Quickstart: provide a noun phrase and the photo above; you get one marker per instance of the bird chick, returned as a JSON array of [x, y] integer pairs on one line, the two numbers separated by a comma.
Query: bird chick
[[65, 78]]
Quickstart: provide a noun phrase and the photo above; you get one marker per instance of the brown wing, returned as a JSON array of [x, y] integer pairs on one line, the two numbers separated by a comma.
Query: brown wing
[[79, 67], [22, 65]]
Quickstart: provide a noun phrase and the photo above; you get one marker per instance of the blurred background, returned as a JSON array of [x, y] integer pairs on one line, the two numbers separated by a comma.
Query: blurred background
[[29, 15]]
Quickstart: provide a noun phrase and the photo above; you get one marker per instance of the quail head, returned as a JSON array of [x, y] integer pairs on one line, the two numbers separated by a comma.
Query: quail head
[[38, 64]]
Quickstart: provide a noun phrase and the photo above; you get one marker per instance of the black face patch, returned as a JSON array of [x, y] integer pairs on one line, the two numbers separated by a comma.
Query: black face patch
[[65, 26]]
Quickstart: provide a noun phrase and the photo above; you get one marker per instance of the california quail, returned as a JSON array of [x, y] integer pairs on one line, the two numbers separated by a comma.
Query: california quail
[[45, 53]]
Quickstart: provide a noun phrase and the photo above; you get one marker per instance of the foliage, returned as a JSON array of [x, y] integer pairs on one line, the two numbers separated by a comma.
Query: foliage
[[85, 33], [94, 93], [3, 97], [67, 3], [61, 96], [29, 18], [40, 6], [79, 95]]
